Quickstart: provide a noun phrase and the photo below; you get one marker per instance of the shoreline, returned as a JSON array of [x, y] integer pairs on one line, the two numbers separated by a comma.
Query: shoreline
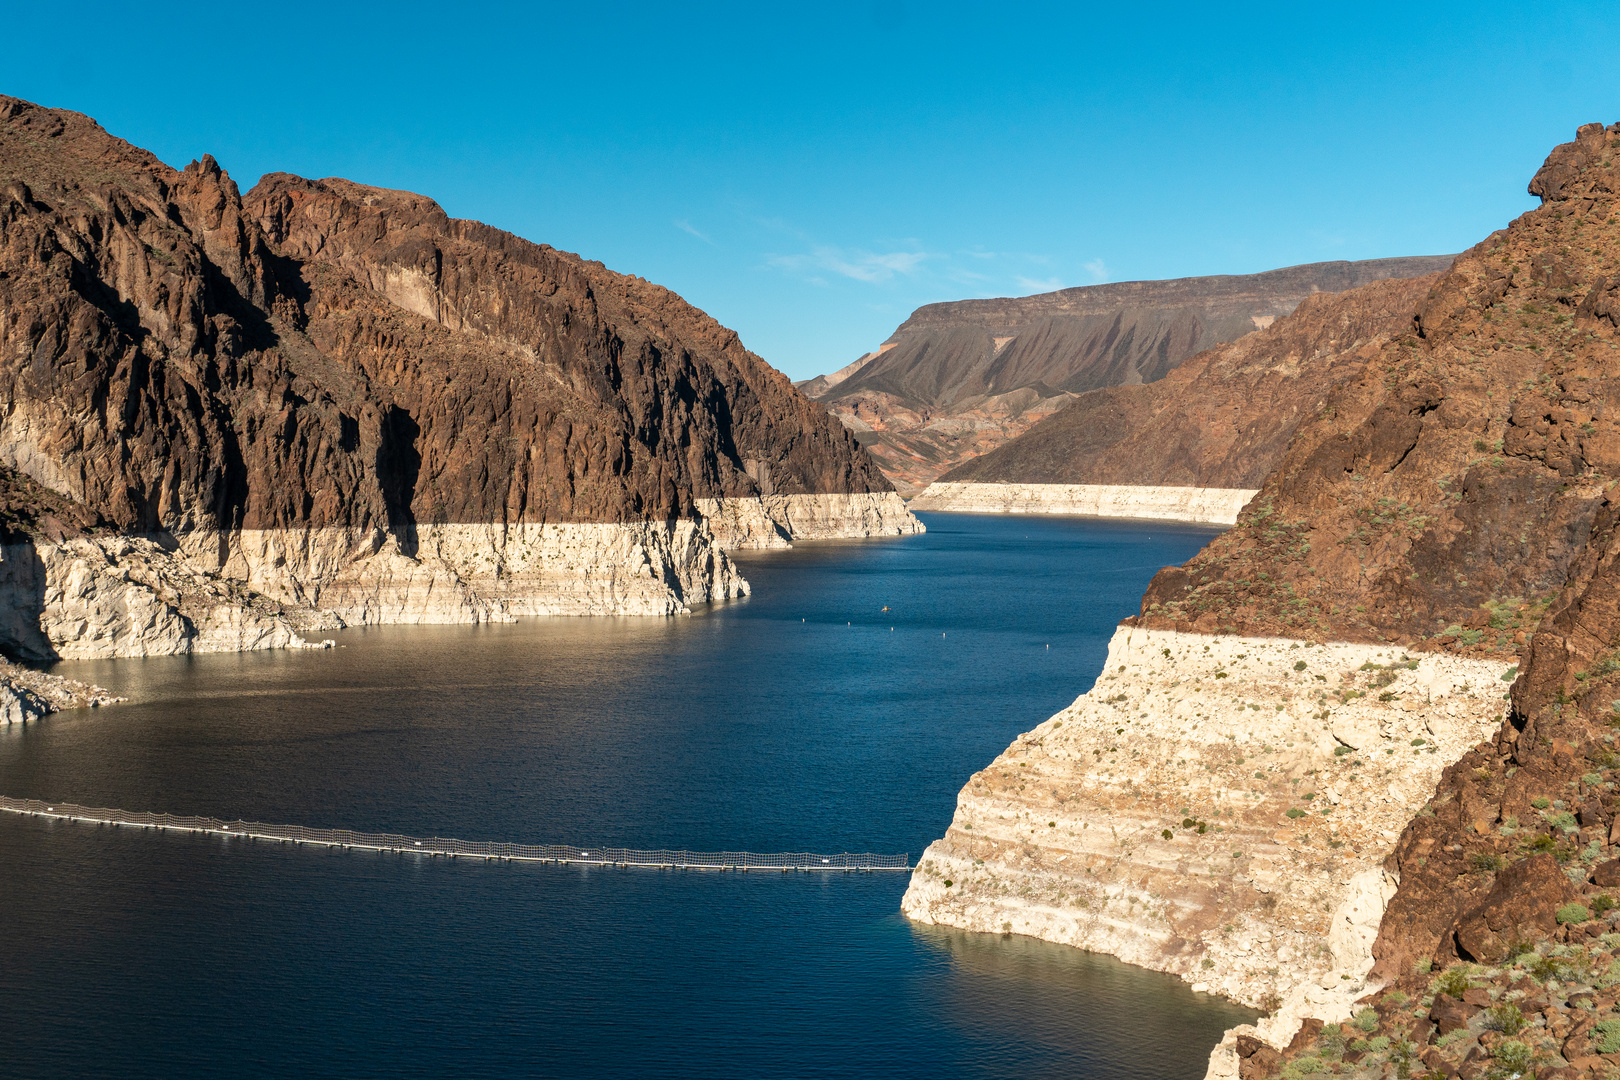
[[1194, 505], [99, 596]]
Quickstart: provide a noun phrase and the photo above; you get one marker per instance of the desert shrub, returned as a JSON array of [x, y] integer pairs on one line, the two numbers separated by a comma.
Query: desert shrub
[[1541, 803], [1295, 812], [1513, 1056], [1303, 1066], [1299, 665], [1453, 981], [1485, 863], [1602, 904], [1573, 913], [1504, 1017], [1167, 834], [1367, 1020], [1609, 1036]]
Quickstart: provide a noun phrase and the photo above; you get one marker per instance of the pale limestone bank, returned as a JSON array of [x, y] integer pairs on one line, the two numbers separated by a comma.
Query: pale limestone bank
[[775, 521], [1215, 807], [26, 694], [1212, 506], [96, 597]]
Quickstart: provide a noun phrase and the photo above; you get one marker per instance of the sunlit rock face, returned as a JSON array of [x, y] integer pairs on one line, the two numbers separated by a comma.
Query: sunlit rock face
[[338, 397], [1219, 807]]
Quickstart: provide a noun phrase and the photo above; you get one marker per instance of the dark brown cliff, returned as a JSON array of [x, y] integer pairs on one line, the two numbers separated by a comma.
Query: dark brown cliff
[[177, 358], [1223, 418], [958, 379], [1470, 479], [1441, 497]]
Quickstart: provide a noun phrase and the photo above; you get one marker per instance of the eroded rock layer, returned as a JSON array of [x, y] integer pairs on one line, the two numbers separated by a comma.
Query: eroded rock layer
[[1217, 807], [1223, 418], [774, 521]]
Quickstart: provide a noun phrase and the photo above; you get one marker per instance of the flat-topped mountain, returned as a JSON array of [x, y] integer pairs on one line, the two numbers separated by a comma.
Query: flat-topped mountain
[[343, 400], [959, 379], [1220, 420]]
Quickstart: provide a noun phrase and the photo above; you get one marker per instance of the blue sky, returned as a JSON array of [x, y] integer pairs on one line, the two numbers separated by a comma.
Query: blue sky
[[810, 174]]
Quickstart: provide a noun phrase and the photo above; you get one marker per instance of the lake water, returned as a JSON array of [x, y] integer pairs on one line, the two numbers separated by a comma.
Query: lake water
[[802, 718]]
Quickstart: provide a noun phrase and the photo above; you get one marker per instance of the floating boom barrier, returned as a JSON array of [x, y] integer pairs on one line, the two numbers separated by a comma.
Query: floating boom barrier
[[466, 849]]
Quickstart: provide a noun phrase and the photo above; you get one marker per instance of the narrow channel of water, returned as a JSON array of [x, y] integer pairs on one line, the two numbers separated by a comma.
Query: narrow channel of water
[[803, 718]]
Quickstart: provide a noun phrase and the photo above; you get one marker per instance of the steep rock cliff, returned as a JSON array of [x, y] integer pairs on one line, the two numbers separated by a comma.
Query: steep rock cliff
[[1442, 495], [1450, 503], [339, 397]]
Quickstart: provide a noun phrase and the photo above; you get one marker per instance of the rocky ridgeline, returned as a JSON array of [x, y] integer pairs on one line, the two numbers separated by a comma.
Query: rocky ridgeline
[[1449, 489], [323, 402], [957, 380], [1224, 417]]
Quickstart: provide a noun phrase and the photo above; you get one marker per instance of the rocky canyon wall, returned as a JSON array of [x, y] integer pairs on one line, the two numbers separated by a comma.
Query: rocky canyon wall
[[1441, 511], [337, 399], [959, 379]]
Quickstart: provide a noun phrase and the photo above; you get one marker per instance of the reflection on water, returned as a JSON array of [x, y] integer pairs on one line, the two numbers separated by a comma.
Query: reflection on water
[[804, 718]]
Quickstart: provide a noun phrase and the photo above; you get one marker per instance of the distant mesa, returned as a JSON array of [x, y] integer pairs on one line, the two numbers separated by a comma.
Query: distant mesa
[[959, 379]]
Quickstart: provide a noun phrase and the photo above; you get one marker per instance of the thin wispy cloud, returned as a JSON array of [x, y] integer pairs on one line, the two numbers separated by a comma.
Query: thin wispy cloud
[[687, 227], [1039, 285], [1098, 271], [868, 266]]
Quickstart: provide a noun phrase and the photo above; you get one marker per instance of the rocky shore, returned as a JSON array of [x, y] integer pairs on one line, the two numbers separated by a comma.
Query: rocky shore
[[775, 521], [1216, 807], [1214, 506]]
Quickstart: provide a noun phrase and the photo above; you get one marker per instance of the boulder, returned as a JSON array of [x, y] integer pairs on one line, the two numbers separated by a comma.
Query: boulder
[[1521, 906]]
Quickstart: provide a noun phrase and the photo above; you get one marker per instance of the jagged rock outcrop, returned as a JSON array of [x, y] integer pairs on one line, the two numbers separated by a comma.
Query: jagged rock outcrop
[[959, 379], [26, 694], [339, 397], [1443, 495]]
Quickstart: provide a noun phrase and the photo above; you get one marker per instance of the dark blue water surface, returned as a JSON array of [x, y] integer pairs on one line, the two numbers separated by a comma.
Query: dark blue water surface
[[803, 718]]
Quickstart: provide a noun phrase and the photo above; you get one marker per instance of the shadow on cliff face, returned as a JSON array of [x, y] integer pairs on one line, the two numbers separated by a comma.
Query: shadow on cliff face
[[22, 602], [399, 462]]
